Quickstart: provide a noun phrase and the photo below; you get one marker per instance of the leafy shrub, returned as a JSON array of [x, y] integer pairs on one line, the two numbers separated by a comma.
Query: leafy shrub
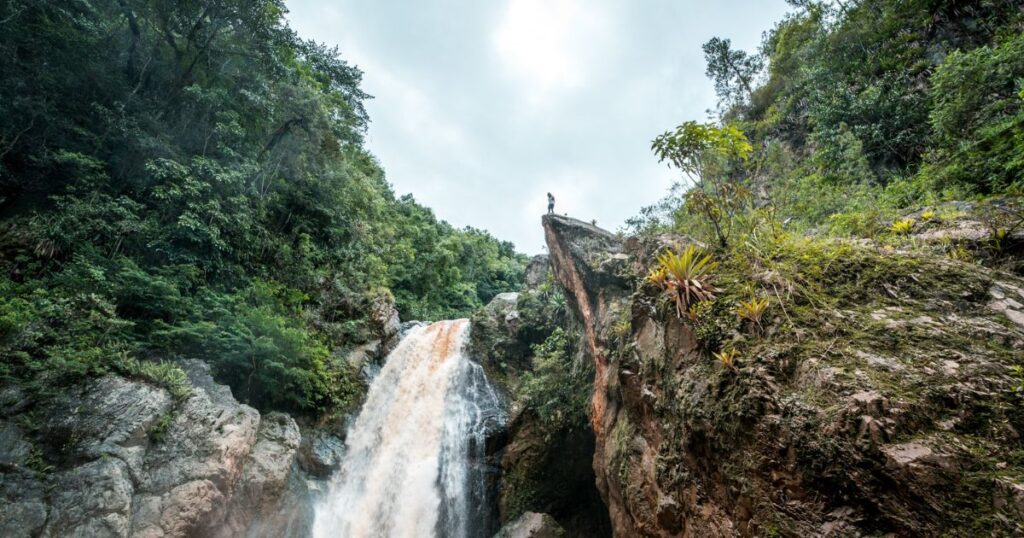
[[978, 117], [145, 191], [557, 388], [727, 358], [53, 339], [259, 347]]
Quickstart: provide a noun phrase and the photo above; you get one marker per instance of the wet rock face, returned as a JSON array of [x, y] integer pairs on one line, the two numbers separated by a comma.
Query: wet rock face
[[129, 461], [891, 433], [551, 472]]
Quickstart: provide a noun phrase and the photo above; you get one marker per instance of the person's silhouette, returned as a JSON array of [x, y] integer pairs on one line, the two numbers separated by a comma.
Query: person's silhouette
[[551, 204]]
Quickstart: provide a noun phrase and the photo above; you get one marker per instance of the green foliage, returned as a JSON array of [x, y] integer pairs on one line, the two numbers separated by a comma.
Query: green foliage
[[727, 358], [260, 347], [1017, 372], [753, 310], [557, 388], [697, 149], [53, 339], [733, 71], [162, 163], [856, 113], [978, 117], [163, 374], [902, 226], [687, 278], [159, 429], [706, 154]]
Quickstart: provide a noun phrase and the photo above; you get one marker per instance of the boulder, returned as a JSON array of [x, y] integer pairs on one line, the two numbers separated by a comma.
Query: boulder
[[320, 453], [122, 458], [531, 525]]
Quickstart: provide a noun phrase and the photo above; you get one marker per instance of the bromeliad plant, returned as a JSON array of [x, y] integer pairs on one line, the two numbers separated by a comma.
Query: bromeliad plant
[[687, 278], [727, 357], [902, 226], [753, 310]]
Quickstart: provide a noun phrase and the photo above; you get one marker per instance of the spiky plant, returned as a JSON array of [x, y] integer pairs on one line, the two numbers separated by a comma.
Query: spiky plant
[[692, 313], [753, 310], [928, 214], [688, 277], [658, 276], [727, 357], [902, 226]]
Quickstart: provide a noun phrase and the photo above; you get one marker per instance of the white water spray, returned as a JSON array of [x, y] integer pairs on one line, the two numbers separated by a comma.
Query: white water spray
[[413, 463]]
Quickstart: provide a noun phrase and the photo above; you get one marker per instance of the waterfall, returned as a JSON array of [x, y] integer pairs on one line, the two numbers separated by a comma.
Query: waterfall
[[414, 462]]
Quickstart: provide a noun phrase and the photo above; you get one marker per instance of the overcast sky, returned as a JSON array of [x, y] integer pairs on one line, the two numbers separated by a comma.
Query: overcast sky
[[481, 107]]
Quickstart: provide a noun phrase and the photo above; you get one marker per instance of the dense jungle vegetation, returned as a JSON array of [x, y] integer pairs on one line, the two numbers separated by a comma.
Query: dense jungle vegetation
[[188, 179], [851, 114]]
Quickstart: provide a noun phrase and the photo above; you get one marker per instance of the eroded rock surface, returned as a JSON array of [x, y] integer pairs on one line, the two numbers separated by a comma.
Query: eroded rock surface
[[893, 413], [545, 467], [121, 458]]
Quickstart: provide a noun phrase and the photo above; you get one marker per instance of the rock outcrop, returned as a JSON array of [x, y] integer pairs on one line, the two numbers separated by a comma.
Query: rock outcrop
[[892, 412], [532, 525], [545, 468], [121, 458]]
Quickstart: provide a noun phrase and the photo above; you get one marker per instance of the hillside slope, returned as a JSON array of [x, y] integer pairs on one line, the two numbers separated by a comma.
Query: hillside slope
[[876, 396]]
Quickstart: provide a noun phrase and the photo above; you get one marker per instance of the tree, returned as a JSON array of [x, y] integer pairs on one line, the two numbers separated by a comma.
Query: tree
[[705, 153], [171, 157], [733, 71]]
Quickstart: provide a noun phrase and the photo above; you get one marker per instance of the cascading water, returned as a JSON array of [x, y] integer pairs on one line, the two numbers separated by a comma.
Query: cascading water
[[414, 462]]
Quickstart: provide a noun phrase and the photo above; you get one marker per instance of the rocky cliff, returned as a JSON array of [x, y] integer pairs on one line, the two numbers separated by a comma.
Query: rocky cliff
[[119, 458], [878, 399], [544, 465]]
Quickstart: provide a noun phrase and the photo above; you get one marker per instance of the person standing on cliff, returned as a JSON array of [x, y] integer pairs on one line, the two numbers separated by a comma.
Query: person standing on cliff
[[551, 204]]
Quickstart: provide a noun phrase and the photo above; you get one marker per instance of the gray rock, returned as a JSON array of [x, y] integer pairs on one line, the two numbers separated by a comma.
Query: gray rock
[[537, 271], [1009, 497], [1007, 299], [92, 501], [384, 318], [320, 453], [12, 400], [532, 525], [220, 469], [14, 449], [111, 414], [265, 479], [23, 502], [366, 359]]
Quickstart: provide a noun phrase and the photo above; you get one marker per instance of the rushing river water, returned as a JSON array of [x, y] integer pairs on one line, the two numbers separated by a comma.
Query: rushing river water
[[414, 462]]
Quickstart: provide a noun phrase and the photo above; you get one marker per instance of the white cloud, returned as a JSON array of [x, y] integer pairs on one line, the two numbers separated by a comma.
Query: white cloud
[[482, 107], [550, 45]]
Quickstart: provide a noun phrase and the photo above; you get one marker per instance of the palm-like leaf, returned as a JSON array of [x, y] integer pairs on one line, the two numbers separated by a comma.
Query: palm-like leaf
[[753, 309], [687, 277]]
